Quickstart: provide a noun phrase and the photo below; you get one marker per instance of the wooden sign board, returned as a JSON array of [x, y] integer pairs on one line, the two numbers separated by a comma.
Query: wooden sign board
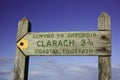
[[94, 43], [66, 43]]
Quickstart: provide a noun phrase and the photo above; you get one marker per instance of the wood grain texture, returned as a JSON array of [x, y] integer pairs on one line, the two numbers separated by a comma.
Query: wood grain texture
[[101, 46], [24, 26], [104, 61], [21, 66], [104, 67], [104, 22], [21, 61]]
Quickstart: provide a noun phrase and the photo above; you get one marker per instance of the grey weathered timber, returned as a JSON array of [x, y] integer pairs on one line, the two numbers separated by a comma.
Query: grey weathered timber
[[94, 43], [71, 43], [104, 22], [104, 61], [104, 67], [21, 61]]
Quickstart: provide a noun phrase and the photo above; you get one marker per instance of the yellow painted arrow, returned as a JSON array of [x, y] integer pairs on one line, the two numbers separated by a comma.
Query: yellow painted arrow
[[23, 44]]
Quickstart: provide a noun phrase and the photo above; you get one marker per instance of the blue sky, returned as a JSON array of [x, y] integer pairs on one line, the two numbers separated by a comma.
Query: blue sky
[[57, 16]]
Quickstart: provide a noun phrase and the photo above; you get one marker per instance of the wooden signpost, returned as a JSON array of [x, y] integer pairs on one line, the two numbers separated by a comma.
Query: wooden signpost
[[94, 43]]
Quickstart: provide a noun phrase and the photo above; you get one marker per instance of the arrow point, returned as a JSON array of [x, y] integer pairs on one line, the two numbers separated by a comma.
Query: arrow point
[[23, 44]]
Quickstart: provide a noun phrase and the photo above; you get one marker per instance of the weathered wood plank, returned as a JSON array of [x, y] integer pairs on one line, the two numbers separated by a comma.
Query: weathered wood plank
[[23, 25], [104, 61], [68, 43], [21, 66], [101, 45], [21, 61], [104, 67], [104, 22]]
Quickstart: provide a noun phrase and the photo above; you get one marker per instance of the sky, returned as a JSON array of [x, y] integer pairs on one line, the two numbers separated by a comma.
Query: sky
[[57, 16]]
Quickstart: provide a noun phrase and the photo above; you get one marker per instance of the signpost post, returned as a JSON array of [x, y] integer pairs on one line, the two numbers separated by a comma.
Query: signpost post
[[21, 61], [94, 43], [104, 24]]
